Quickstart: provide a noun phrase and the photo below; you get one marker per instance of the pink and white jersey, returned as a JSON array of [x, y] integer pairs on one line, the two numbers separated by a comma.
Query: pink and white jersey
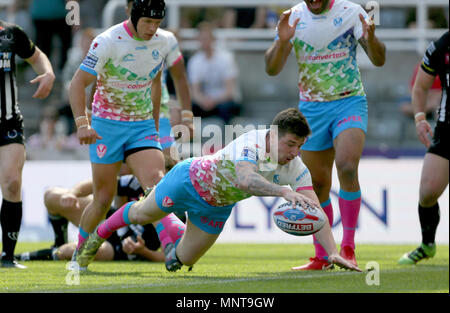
[[125, 67], [214, 177], [325, 47]]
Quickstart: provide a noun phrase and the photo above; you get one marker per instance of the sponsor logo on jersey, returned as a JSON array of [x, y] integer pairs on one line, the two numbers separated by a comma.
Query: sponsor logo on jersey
[[337, 21], [249, 153], [5, 61], [301, 25], [302, 175], [129, 58], [155, 54], [141, 48], [90, 60], [276, 179], [326, 57]]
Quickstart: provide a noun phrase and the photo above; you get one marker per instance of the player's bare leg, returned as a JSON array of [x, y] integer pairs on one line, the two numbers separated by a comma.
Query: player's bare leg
[[141, 212], [193, 245], [348, 147], [104, 188], [148, 166], [320, 165]]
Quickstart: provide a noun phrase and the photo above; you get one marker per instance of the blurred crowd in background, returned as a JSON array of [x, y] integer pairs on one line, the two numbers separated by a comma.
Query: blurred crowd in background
[[49, 124]]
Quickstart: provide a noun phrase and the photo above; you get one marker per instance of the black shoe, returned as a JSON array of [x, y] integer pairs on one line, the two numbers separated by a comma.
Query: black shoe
[[11, 264], [172, 262]]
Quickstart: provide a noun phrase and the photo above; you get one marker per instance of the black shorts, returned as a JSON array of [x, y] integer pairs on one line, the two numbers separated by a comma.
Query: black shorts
[[150, 237], [439, 145], [11, 132]]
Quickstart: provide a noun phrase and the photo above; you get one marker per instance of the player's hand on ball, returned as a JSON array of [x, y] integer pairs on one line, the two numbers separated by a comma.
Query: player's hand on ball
[[285, 30], [342, 263], [87, 135], [295, 197]]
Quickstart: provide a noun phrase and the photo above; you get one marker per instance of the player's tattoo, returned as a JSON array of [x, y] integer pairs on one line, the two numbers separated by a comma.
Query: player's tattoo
[[254, 183]]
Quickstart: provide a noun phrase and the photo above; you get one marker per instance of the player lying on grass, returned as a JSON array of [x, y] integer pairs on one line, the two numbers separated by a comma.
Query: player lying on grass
[[208, 187], [134, 242]]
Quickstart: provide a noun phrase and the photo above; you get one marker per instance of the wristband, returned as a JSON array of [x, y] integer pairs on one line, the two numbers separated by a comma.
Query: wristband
[[419, 114], [83, 126], [187, 115], [81, 121]]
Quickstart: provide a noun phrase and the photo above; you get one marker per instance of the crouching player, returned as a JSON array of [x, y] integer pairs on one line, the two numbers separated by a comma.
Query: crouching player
[[208, 187], [65, 205]]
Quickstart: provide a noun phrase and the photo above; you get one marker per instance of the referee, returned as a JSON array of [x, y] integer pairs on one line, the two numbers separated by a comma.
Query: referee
[[14, 41], [434, 178]]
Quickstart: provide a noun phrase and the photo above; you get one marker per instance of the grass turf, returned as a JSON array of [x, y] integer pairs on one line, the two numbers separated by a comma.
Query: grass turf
[[237, 268]]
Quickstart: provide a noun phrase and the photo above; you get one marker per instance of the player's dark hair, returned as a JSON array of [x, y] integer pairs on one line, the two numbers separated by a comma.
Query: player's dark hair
[[292, 121]]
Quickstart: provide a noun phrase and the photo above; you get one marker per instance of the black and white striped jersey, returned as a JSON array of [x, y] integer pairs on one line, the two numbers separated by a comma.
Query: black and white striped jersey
[[13, 41], [436, 62]]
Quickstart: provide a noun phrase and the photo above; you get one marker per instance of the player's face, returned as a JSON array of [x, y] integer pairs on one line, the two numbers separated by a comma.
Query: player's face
[[147, 27], [289, 147], [317, 6]]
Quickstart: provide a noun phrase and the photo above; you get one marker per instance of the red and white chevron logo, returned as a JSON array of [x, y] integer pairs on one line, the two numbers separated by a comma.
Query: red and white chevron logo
[[167, 202], [101, 150]]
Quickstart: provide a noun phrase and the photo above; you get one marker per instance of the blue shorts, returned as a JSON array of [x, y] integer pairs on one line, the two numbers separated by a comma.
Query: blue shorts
[[176, 194], [165, 132], [120, 137], [328, 119]]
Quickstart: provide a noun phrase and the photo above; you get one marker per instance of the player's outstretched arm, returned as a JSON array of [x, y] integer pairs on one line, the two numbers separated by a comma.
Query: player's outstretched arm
[[277, 55], [42, 66], [374, 48], [255, 184]]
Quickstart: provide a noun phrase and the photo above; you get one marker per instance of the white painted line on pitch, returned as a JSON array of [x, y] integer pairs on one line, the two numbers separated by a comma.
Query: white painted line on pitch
[[236, 280]]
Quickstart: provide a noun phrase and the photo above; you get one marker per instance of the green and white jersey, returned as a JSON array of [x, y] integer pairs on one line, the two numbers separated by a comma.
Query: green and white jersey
[[125, 67], [325, 48]]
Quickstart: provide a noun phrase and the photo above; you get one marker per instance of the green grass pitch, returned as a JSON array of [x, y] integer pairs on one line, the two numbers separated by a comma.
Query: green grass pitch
[[237, 268]]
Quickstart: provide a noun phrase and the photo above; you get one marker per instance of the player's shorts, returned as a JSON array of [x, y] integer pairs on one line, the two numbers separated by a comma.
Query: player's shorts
[[120, 138], [440, 144], [165, 132], [176, 194], [328, 119], [11, 132]]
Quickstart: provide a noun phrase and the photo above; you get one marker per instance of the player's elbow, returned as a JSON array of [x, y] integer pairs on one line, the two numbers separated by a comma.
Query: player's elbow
[[242, 183], [272, 70], [379, 62]]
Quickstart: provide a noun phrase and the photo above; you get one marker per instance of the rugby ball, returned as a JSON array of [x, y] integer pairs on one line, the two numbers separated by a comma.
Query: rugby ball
[[297, 220]]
